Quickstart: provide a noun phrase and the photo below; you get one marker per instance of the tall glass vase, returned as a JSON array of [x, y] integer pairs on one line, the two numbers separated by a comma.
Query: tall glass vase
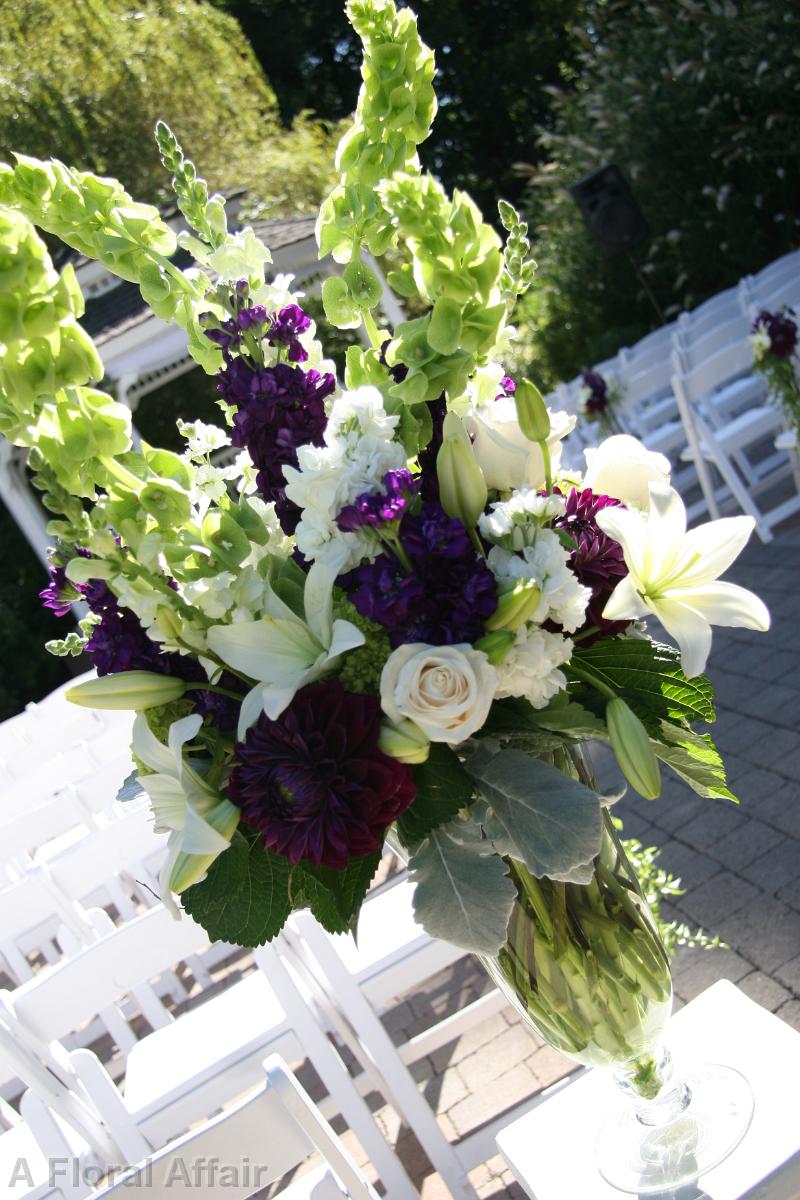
[[585, 966]]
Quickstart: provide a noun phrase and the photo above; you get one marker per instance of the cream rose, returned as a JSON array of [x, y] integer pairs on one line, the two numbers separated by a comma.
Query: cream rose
[[446, 691], [624, 468], [504, 454]]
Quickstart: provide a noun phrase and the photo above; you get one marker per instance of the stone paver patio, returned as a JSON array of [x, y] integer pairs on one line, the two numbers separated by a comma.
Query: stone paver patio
[[740, 867]]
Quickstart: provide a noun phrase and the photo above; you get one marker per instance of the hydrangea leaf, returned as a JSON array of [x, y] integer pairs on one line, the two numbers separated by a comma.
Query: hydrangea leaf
[[695, 758], [646, 674], [538, 814], [443, 787], [463, 894], [244, 898], [334, 897]]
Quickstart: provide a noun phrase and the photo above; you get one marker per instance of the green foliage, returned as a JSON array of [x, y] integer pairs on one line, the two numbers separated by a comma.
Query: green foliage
[[646, 674], [443, 787], [334, 897], [244, 898], [660, 885], [361, 668], [697, 103], [92, 79]]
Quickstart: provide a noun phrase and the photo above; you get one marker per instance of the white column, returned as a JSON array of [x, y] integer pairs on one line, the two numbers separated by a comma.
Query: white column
[[21, 502]]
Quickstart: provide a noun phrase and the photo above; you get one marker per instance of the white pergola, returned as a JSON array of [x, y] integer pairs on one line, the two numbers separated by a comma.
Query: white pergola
[[141, 353]]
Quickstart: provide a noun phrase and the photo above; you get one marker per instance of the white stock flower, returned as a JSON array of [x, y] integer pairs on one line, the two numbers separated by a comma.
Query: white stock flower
[[546, 562], [673, 574], [530, 668], [624, 468], [202, 438], [359, 450], [446, 691], [514, 521], [504, 454], [241, 255]]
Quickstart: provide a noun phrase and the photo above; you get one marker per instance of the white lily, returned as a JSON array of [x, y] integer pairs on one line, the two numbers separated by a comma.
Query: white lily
[[283, 651], [674, 574], [200, 824]]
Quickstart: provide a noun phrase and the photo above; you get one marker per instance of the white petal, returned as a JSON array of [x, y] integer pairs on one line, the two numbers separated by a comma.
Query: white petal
[[625, 603], [268, 650], [319, 591], [275, 699], [167, 899], [630, 530], [146, 746], [181, 732], [344, 636], [201, 838], [726, 604], [690, 630], [168, 801], [252, 707], [666, 533], [716, 545]]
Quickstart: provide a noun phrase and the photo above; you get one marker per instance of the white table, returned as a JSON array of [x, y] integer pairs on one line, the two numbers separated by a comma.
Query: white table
[[551, 1149]]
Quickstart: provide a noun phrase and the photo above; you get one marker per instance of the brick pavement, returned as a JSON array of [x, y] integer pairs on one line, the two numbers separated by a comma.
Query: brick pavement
[[740, 867]]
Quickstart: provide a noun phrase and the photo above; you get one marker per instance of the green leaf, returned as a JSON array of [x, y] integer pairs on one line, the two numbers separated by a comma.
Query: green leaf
[[538, 814], [514, 723], [340, 307], [363, 284], [647, 675], [443, 787], [563, 715], [695, 758], [334, 897], [463, 894], [244, 898]]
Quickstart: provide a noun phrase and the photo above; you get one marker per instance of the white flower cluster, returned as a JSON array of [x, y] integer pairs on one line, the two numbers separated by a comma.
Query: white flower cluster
[[514, 523], [530, 669], [359, 449], [546, 562]]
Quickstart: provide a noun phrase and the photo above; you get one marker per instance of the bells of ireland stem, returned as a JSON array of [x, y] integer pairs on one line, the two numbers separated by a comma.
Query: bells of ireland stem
[[516, 604], [462, 488], [633, 749], [404, 741], [134, 690]]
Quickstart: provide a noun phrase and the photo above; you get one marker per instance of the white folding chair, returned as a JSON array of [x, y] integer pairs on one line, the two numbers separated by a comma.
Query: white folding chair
[[394, 955], [694, 348], [180, 1073], [27, 1167], [695, 393], [249, 1146], [31, 911]]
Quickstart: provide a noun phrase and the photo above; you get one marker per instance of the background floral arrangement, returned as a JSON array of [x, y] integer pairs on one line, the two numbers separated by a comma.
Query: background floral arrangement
[[774, 339], [395, 611]]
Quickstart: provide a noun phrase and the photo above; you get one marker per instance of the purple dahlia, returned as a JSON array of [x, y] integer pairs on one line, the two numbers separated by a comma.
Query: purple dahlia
[[314, 783], [447, 596], [597, 559], [781, 329]]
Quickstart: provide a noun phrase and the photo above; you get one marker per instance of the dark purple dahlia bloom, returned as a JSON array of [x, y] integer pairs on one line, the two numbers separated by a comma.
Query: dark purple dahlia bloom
[[374, 509], [445, 599], [597, 560], [597, 400], [278, 409], [285, 328], [315, 784], [427, 458], [781, 328]]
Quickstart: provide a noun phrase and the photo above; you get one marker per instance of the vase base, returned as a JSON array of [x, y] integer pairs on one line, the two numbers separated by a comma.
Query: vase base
[[646, 1160]]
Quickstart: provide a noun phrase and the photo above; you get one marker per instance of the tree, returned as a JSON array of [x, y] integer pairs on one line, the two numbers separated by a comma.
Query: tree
[[89, 87], [699, 104], [495, 64]]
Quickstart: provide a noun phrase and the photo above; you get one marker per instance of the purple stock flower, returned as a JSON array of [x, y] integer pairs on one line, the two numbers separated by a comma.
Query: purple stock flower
[[374, 509], [285, 328], [429, 488], [781, 328], [314, 782], [597, 400], [597, 559], [507, 387], [279, 409], [119, 642], [228, 334], [445, 599], [60, 593]]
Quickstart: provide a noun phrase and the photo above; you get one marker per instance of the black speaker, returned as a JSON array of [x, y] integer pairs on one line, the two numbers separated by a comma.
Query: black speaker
[[614, 218]]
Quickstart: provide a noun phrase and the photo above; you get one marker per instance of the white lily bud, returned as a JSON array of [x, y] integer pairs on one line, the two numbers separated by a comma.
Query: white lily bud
[[462, 488], [633, 749], [404, 741], [135, 690]]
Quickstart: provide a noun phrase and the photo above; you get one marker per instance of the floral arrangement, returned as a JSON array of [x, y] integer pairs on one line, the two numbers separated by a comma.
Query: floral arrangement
[[597, 400], [396, 611], [774, 340]]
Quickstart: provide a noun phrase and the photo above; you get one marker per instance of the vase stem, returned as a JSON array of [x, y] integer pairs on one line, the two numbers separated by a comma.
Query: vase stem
[[648, 1083]]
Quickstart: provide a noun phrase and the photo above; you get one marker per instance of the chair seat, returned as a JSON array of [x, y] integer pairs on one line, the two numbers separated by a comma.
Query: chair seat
[[225, 1034], [666, 438], [743, 430], [387, 936], [21, 1159]]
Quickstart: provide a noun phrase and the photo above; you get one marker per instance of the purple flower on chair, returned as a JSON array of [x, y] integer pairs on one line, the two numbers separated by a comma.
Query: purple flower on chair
[[595, 392], [781, 329], [314, 782]]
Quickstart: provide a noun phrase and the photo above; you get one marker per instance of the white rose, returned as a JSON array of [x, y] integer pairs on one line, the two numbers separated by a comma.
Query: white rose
[[506, 457], [446, 691], [623, 468]]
